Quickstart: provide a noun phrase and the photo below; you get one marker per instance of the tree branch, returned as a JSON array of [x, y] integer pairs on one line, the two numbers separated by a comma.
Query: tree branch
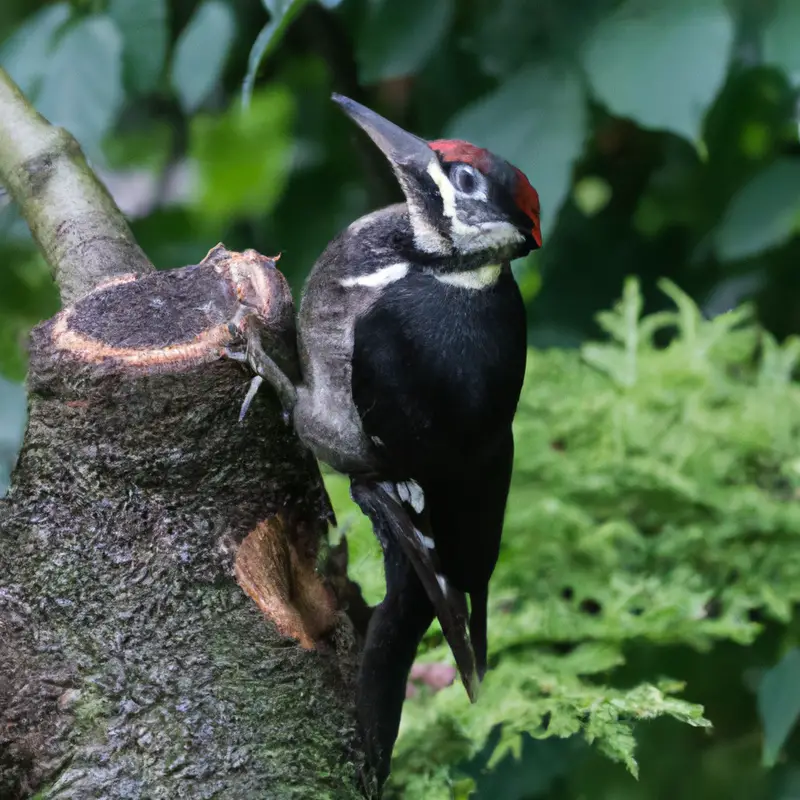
[[78, 227]]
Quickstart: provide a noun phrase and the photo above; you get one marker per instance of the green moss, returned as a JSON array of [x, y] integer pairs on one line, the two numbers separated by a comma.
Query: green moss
[[91, 710], [649, 503]]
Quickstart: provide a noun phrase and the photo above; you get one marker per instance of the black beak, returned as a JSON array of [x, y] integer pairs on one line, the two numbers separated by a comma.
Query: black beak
[[402, 148]]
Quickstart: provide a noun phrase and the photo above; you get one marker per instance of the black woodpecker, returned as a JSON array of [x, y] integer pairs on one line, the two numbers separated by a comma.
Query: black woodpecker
[[412, 343]]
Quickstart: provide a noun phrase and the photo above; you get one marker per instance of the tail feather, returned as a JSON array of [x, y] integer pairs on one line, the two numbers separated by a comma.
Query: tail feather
[[390, 508]]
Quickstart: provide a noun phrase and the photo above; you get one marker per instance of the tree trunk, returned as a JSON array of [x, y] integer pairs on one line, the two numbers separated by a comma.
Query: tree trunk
[[164, 628]]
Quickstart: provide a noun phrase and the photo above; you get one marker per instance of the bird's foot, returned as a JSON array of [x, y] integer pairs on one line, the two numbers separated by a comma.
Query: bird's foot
[[246, 348]]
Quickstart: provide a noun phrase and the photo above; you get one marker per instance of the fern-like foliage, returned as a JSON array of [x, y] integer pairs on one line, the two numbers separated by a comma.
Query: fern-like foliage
[[651, 500]]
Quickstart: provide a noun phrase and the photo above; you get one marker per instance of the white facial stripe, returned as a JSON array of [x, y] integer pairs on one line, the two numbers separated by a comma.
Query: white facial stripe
[[426, 237], [481, 278], [471, 238], [381, 277], [448, 194]]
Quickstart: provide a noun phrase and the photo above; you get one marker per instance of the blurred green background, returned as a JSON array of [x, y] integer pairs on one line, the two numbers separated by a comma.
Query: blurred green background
[[663, 140]]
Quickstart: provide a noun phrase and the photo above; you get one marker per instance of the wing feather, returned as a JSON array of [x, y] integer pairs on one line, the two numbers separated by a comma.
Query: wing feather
[[396, 519]]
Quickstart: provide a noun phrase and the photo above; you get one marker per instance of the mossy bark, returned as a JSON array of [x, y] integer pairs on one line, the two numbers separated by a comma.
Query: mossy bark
[[133, 664]]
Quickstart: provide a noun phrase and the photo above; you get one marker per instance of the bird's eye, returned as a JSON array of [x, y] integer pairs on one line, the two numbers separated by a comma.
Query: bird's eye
[[467, 180]]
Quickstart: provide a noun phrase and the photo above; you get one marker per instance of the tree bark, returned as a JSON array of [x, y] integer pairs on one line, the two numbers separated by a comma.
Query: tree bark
[[165, 627]]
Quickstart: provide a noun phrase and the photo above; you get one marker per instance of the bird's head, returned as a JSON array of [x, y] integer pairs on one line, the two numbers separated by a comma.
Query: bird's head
[[464, 202]]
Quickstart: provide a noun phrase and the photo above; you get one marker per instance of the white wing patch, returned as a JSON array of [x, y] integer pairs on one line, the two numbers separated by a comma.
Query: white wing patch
[[390, 489], [442, 581], [411, 493], [381, 277], [424, 540]]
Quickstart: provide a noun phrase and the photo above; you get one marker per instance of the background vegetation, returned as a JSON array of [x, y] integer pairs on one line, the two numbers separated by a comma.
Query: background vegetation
[[653, 529]]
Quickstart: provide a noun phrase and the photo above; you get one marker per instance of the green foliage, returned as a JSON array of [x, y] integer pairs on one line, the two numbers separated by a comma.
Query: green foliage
[[145, 34], [73, 71], [282, 14], [200, 53], [88, 95], [247, 179], [25, 54], [652, 501], [397, 39], [764, 214], [779, 703], [661, 63], [780, 36]]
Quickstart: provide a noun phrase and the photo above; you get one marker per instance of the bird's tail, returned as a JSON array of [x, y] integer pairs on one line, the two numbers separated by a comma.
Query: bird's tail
[[395, 511]]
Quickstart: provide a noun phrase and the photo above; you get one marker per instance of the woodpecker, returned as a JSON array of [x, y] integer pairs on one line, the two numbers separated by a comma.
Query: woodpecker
[[412, 347]]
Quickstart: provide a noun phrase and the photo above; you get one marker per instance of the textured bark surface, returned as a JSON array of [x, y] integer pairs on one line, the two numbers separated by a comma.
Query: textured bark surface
[[164, 631]]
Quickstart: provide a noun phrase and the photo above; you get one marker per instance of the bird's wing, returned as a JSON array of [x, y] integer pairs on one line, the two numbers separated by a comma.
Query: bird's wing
[[397, 513]]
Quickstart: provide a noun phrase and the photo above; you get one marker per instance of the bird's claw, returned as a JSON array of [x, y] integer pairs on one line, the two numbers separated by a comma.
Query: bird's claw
[[251, 393], [247, 348]]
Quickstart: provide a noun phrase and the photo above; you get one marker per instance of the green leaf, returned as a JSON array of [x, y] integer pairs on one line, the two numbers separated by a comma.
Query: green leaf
[[505, 33], [13, 358], [661, 63], [763, 214], [779, 704], [82, 87], [398, 38], [537, 121], [781, 36], [145, 34], [27, 296], [282, 13], [745, 129], [25, 56], [201, 52], [243, 155]]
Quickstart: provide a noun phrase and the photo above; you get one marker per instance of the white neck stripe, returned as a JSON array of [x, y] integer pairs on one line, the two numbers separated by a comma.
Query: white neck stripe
[[381, 277], [481, 278]]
